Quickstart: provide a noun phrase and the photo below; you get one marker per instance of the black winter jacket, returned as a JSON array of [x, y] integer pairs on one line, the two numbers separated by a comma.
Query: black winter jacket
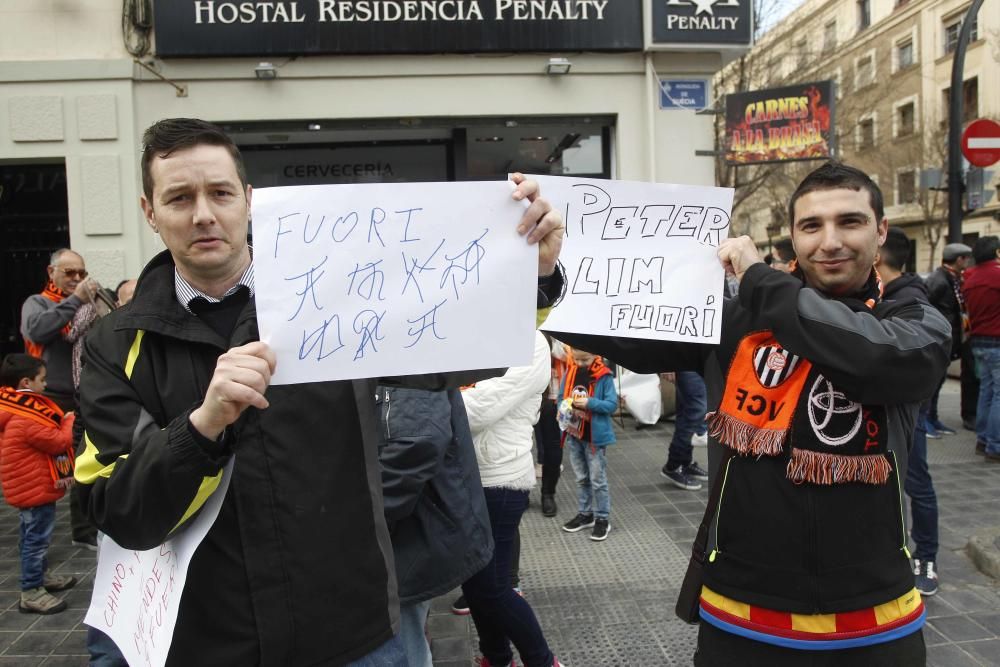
[[434, 502], [297, 569], [941, 294], [807, 548]]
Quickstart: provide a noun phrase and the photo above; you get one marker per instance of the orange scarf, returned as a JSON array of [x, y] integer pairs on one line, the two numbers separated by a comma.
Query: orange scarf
[[55, 295]]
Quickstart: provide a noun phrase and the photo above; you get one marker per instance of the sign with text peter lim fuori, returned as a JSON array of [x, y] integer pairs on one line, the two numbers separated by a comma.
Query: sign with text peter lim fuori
[[702, 22], [191, 28], [780, 124], [641, 259]]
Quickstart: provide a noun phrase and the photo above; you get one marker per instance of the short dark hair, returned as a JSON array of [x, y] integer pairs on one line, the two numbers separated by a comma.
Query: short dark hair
[[895, 252], [835, 175], [17, 366], [785, 250], [164, 137], [985, 248]]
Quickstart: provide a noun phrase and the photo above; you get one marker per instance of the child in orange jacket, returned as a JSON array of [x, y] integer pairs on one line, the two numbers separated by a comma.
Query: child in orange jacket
[[36, 468]]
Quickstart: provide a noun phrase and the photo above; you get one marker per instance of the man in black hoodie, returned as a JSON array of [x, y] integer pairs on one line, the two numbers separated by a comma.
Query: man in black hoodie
[[918, 485]]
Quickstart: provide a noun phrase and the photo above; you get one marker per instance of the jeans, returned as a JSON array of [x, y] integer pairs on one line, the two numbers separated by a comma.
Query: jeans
[[591, 467], [501, 615], [412, 620], [550, 453], [988, 410], [920, 488], [103, 650], [36, 534], [691, 406], [389, 654]]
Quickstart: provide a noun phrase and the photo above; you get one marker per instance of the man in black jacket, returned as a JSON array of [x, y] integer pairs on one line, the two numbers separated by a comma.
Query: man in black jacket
[[919, 486], [297, 567], [814, 388], [944, 287]]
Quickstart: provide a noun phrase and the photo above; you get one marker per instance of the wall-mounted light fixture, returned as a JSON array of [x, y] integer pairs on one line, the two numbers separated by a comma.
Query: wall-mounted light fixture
[[558, 66], [265, 71]]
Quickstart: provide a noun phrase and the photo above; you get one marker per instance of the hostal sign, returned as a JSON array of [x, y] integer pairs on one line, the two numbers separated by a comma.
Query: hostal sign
[[186, 28], [708, 22]]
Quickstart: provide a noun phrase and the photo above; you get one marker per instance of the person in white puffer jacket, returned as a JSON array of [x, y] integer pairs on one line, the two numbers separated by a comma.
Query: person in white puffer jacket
[[502, 412]]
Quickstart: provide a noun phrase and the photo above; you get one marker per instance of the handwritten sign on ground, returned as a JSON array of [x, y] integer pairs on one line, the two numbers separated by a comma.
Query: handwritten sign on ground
[[641, 258], [137, 593], [369, 280]]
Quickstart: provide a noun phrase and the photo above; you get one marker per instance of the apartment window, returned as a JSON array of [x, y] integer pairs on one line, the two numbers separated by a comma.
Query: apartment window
[[866, 133], [830, 36], [904, 54], [970, 101], [905, 116], [864, 14], [906, 190], [951, 30], [864, 71], [802, 53]]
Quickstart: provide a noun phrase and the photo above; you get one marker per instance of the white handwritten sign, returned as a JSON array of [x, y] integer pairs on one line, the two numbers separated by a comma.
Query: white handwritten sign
[[371, 280], [641, 258], [137, 593]]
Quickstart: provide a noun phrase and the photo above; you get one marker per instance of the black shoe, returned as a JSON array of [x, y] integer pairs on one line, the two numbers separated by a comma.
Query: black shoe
[[695, 471], [548, 504], [460, 607], [579, 522], [980, 447], [86, 542], [601, 530], [969, 424]]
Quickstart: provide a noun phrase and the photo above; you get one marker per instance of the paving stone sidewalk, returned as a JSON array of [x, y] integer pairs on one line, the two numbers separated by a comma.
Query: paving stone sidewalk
[[609, 603]]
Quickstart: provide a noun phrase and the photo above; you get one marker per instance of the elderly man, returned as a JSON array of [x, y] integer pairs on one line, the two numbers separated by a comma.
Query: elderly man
[[297, 568], [813, 388], [46, 320]]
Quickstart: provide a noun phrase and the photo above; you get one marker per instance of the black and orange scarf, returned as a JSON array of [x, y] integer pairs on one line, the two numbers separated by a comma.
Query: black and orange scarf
[[776, 401], [41, 410], [55, 295]]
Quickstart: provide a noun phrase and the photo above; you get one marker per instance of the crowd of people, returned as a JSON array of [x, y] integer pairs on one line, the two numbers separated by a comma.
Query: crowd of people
[[328, 548]]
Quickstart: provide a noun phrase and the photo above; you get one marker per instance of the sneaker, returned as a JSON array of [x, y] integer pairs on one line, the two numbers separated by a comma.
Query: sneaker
[[86, 542], [460, 607], [931, 431], [578, 523], [699, 439], [54, 583], [601, 530], [679, 479], [38, 601], [548, 504], [695, 471], [481, 661], [926, 579], [942, 429]]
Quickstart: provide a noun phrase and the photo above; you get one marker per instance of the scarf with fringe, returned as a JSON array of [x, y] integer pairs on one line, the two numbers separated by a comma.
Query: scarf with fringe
[[41, 410], [776, 402], [55, 295]]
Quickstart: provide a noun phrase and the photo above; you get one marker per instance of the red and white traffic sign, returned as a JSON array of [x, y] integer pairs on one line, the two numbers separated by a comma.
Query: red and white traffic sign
[[981, 142]]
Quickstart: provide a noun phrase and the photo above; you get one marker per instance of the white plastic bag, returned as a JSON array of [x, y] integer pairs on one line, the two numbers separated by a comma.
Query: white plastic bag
[[642, 396]]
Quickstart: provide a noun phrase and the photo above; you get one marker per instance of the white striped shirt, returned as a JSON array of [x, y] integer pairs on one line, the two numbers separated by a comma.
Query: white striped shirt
[[186, 293]]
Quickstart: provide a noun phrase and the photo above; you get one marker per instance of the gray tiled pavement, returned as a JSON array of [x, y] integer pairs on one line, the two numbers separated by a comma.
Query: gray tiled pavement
[[606, 604]]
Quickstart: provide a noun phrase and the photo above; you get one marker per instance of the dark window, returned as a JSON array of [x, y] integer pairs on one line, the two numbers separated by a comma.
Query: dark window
[[951, 31], [904, 53], [830, 36], [970, 101], [904, 120], [864, 14], [867, 127], [906, 191]]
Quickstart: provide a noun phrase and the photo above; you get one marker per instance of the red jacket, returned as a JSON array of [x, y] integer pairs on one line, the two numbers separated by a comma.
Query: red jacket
[[25, 450], [981, 287]]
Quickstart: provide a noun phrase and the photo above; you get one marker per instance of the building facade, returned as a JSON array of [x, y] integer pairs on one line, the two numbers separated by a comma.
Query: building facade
[[890, 62], [333, 91]]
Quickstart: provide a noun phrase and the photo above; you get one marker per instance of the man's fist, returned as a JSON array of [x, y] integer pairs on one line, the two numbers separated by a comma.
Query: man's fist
[[241, 377]]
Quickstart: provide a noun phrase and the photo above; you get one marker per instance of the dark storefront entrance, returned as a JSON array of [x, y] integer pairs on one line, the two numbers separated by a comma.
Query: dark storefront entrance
[[422, 149], [34, 221]]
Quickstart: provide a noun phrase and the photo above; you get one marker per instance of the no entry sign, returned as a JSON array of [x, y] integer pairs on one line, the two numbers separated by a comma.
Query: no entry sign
[[981, 142]]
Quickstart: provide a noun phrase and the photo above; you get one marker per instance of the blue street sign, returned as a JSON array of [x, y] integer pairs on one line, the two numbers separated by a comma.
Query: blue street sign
[[683, 93]]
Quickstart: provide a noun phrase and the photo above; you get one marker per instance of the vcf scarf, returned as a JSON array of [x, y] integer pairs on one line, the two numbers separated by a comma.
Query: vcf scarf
[[595, 372], [776, 401], [41, 410], [55, 295]]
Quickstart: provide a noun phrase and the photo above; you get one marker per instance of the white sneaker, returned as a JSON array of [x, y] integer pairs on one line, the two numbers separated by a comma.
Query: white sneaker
[[699, 439]]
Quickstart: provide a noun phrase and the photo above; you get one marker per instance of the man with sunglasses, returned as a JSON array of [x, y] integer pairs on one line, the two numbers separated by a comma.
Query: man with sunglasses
[[45, 323]]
